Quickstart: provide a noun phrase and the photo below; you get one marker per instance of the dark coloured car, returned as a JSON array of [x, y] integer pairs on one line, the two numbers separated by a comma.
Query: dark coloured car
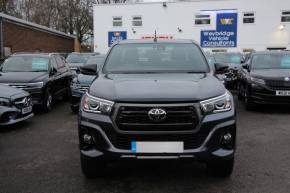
[[76, 60], [15, 105], [234, 60], [265, 79], [45, 76], [83, 80], [157, 100]]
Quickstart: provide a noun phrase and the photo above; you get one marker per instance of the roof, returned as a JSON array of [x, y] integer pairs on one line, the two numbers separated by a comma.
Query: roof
[[134, 3], [35, 26], [142, 41], [271, 52], [35, 54]]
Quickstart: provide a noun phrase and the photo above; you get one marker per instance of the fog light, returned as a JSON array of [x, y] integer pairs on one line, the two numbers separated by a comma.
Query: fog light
[[227, 139], [88, 139]]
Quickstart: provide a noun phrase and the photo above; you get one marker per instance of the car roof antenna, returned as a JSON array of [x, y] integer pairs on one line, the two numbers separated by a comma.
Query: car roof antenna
[[155, 37]]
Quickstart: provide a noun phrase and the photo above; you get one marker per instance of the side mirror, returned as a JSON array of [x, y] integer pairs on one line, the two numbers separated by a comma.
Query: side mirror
[[221, 68], [53, 71], [90, 70], [246, 67]]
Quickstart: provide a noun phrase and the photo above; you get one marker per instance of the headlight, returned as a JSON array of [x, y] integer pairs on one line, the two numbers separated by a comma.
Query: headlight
[[35, 85], [5, 102], [218, 104], [257, 80], [93, 104]]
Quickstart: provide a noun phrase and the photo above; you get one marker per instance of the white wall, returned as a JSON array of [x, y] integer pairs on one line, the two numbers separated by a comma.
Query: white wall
[[264, 33]]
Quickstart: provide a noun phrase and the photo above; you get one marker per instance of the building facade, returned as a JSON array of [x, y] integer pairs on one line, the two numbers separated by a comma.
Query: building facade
[[217, 25], [17, 35]]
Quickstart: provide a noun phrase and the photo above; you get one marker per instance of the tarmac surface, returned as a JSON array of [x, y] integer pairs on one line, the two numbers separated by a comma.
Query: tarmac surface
[[42, 155]]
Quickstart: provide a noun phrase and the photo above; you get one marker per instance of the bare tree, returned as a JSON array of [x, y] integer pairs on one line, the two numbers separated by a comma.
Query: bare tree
[[70, 16]]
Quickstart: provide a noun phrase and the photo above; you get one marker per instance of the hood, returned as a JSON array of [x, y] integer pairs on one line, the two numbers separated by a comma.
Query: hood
[[22, 77], [85, 80], [10, 92], [75, 65], [157, 87], [271, 73]]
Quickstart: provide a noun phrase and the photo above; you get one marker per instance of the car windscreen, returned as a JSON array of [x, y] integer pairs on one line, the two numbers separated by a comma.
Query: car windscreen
[[26, 64], [271, 61], [156, 57], [77, 58], [228, 58], [98, 61], [211, 60]]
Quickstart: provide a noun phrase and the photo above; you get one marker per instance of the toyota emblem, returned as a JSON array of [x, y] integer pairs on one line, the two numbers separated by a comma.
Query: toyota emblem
[[157, 114]]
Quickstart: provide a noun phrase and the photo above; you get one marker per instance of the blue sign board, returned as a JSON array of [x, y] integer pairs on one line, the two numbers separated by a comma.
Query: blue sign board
[[225, 34], [116, 36]]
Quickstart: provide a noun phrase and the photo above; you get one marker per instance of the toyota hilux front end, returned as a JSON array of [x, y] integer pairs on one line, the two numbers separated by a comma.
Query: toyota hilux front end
[[175, 110]]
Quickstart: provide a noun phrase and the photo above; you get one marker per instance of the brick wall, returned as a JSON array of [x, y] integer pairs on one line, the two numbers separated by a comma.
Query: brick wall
[[23, 39]]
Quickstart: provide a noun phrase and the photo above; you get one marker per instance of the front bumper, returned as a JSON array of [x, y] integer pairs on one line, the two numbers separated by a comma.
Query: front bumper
[[37, 95], [106, 138], [12, 115], [76, 96], [261, 94]]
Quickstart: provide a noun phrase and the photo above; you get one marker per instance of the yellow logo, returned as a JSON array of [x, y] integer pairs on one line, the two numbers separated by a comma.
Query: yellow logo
[[117, 34], [227, 21]]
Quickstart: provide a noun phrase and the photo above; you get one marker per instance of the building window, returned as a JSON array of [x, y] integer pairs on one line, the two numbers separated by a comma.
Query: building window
[[285, 18], [249, 17], [202, 19], [117, 21], [137, 21]]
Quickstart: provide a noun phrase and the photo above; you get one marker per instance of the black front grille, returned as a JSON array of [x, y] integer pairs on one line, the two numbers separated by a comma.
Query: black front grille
[[232, 73], [178, 118], [191, 141], [278, 84]]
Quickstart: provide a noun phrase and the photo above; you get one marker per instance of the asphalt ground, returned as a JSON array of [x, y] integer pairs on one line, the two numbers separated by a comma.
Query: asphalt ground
[[41, 155]]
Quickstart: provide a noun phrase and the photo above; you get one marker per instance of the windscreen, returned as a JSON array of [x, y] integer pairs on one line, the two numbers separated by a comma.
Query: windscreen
[[156, 57], [26, 64], [98, 61], [77, 58], [211, 60], [228, 58], [271, 61]]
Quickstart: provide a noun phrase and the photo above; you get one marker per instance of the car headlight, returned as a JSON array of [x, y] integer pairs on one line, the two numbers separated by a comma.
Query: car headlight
[[93, 104], [5, 102], [257, 80], [218, 104], [35, 85]]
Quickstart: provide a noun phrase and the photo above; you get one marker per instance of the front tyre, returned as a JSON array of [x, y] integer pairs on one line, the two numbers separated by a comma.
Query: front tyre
[[249, 104], [74, 109], [92, 168], [240, 92], [48, 101], [220, 168]]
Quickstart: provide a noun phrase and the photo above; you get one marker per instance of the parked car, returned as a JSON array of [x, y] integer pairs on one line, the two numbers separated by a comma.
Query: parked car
[[15, 105], [157, 100], [83, 80], [45, 76], [75, 60], [234, 60], [265, 79]]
